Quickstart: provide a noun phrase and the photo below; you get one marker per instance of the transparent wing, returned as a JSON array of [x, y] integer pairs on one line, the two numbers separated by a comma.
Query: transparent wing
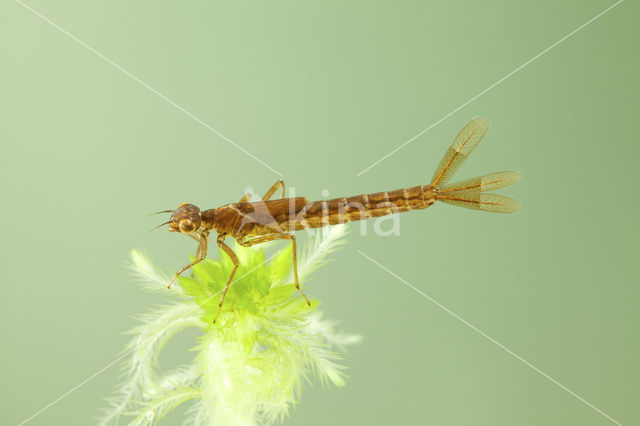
[[473, 199], [484, 183], [459, 150]]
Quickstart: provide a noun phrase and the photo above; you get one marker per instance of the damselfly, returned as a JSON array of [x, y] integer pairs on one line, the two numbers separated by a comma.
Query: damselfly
[[251, 223]]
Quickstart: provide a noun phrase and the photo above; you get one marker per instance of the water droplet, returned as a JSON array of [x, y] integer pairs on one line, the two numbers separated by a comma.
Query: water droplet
[[325, 193], [149, 415]]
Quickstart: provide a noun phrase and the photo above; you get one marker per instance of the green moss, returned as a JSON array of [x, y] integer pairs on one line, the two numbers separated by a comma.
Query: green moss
[[250, 364]]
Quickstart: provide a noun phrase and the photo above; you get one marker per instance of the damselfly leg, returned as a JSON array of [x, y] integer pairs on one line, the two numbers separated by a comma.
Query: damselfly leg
[[270, 192], [202, 239], [284, 236], [234, 260]]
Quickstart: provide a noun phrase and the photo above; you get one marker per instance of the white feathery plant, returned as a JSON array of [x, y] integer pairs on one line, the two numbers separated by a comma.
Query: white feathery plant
[[250, 364]]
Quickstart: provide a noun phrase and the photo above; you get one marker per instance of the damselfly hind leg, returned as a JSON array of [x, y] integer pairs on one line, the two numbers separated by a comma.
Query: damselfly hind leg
[[234, 260], [201, 253], [273, 189], [270, 192], [264, 239]]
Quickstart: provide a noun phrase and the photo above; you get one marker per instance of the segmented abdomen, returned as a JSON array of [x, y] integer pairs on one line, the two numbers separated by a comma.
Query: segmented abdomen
[[341, 210]]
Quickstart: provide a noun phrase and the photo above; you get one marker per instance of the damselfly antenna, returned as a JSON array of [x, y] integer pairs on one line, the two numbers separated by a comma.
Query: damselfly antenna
[[163, 211], [159, 226]]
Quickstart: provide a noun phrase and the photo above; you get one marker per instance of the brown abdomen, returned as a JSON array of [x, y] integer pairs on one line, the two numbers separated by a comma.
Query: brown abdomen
[[341, 210]]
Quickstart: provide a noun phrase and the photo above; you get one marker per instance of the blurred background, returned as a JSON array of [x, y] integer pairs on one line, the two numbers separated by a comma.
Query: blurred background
[[319, 92]]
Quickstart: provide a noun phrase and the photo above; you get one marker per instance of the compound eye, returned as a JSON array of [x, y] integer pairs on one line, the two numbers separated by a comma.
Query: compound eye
[[186, 226]]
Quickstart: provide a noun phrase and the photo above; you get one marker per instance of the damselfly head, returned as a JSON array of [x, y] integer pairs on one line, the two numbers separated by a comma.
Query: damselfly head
[[185, 219]]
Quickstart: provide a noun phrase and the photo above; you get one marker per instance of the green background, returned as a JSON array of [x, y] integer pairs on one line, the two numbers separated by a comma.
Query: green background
[[319, 91]]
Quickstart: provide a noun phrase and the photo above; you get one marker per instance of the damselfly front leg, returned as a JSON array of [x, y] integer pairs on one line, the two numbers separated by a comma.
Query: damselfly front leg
[[234, 260], [201, 253], [197, 238], [283, 236]]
